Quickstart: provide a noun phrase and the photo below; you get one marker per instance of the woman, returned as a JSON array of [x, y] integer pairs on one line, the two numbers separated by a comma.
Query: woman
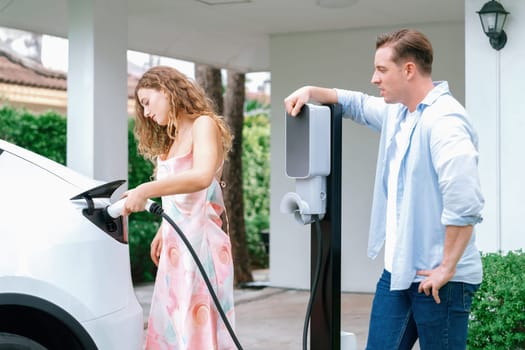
[[177, 128]]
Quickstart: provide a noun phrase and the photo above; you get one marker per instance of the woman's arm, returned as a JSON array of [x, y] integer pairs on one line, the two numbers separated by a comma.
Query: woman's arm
[[207, 155], [156, 246]]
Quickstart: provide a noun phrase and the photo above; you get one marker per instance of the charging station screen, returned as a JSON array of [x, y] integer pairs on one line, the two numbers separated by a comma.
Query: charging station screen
[[298, 144]]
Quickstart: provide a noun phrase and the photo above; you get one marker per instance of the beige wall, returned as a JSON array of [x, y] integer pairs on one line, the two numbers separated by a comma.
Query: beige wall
[[37, 100], [341, 59]]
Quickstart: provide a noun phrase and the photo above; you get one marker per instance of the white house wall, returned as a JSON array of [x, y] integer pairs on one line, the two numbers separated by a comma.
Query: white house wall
[[494, 86], [341, 59]]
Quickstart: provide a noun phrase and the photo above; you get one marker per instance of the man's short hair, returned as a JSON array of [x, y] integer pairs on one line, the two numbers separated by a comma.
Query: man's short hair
[[409, 44]]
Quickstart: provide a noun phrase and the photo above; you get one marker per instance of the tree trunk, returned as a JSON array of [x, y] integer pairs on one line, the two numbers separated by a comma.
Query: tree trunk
[[232, 175], [233, 110], [210, 79]]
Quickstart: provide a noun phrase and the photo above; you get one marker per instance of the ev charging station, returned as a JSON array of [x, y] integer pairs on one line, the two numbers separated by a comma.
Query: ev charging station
[[313, 159], [308, 162]]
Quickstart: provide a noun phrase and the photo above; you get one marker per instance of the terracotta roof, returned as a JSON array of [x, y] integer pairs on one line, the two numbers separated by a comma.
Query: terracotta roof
[[21, 71], [18, 70]]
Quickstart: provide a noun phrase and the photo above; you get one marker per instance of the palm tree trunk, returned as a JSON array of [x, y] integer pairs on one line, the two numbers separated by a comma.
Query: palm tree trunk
[[233, 195], [209, 78]]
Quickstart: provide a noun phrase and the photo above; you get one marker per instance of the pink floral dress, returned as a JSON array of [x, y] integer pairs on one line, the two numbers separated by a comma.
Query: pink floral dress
[[183, 315]]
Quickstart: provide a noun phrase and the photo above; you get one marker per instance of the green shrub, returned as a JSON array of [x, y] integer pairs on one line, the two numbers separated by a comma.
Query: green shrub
[[8, 123], [139, 169], [44, 134], [498, 309], [142, 227], [256, 184]]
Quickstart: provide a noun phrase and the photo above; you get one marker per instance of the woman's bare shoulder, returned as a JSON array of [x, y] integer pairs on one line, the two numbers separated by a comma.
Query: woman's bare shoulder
[[204, 121]]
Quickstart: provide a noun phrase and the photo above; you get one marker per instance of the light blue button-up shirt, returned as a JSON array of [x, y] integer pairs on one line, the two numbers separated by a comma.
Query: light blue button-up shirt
[[438, 182]]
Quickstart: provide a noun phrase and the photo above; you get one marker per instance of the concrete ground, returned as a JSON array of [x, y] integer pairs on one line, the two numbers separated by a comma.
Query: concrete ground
[[276, 321], [273, 318]]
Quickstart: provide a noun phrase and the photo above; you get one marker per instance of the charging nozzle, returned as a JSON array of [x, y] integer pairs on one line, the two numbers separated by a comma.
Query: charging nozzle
[[308, 200], [116, 209]]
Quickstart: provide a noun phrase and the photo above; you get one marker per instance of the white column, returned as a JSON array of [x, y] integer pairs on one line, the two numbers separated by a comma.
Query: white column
[[494, 100], [512, 111], [97, 89]]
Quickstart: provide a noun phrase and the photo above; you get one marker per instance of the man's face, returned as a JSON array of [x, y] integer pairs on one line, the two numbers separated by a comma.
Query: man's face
[[388, 76]]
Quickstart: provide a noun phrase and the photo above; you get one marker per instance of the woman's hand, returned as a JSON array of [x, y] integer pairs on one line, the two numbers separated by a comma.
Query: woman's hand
[[135, 200], [156, 247]]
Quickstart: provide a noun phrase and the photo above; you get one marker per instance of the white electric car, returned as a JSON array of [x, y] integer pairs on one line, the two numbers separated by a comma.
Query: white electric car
[[65, 277]]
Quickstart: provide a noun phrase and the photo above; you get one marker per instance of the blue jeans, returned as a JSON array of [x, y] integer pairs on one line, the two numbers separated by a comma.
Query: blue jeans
[[399, 318]]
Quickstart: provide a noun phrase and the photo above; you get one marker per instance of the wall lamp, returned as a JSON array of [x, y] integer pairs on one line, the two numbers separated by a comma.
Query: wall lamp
[[493, 16]]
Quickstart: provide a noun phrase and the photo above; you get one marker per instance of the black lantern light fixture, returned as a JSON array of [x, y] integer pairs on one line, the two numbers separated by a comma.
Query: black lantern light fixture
[[493, 16]]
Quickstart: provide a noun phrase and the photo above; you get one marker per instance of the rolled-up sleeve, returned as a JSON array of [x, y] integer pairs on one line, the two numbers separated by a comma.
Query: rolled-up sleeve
[[455, 158]]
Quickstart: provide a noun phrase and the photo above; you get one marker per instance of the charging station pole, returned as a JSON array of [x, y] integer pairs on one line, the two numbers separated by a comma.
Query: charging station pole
[[325, 321]]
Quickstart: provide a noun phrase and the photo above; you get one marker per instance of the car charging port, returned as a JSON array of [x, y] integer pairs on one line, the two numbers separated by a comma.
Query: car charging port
[[114, 227]]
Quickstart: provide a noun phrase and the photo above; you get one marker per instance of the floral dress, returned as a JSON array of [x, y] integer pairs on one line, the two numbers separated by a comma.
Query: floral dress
[[183, 315]]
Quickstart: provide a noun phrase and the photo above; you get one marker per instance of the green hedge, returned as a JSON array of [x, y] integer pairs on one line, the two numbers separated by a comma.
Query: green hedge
[[256, 184], [142, 227], [45, 134], [497, 319]]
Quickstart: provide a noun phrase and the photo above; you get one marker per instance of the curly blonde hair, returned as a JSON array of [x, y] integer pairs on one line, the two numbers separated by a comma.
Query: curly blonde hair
[[184, 97]]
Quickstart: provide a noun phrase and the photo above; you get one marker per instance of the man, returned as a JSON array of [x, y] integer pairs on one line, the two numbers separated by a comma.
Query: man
[[427, 196]]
